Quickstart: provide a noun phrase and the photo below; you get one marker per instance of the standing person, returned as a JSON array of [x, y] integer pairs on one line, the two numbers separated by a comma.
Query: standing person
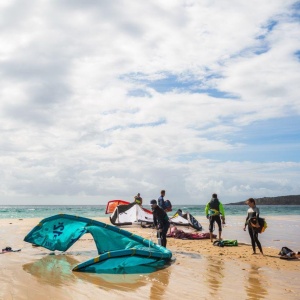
[[253, 226], [214, 211], [161, 200], [161, 221], [138, 199]]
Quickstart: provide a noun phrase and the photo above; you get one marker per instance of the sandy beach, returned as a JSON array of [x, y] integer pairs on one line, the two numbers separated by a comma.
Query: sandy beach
[[199, 271]]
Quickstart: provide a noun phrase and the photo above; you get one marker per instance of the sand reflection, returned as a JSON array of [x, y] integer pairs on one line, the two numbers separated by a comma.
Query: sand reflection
[[214, 275], [255, 286], [55, 270], [160, 282], [157, 281]]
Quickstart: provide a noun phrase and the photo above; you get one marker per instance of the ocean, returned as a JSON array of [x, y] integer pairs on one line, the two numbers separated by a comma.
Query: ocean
[[98, 211], [283, 220]]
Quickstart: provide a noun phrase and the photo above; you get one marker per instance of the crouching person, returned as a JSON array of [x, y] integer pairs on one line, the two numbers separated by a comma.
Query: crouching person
[[161, 221]]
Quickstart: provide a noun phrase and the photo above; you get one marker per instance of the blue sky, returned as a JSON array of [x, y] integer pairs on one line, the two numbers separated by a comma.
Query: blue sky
[[266, 141], [99, 102]]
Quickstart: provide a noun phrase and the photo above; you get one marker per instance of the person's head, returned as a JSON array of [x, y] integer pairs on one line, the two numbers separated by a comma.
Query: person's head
[[138, 194], [153, 203], [215, 196], [162, 192], [250, 202]]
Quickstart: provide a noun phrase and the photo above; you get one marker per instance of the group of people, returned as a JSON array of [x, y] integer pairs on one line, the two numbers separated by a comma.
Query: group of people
[[214, 211], [160, 217], [161, 201]]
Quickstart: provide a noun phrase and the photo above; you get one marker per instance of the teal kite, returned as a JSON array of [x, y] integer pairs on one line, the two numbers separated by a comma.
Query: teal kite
[[120, 251]]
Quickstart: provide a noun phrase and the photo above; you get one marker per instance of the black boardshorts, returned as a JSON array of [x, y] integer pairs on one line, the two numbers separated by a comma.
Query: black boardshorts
[[212, 220]]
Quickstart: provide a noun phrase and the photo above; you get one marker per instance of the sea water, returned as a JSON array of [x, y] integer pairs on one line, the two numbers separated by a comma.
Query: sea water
[[98, 211], [283, 220]]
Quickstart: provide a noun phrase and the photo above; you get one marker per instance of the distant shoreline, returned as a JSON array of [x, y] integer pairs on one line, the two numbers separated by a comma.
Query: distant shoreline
[[276, 204], [281, 200]]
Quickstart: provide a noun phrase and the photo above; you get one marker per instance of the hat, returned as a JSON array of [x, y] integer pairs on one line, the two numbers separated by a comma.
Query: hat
[[153, 202]]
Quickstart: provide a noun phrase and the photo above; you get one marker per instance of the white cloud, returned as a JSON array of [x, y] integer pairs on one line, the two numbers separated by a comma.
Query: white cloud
[[72, 126]]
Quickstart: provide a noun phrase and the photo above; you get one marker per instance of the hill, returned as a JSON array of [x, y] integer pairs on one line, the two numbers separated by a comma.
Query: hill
[[281, 200]]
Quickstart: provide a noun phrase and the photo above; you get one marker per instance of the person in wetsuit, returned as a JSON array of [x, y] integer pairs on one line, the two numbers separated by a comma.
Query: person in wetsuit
[[214, 211], [161, 200], [138, 199], [253, 226], [161, 221]]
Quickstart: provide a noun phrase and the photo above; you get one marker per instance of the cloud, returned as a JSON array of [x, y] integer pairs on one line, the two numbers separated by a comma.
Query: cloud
[[101, 99]]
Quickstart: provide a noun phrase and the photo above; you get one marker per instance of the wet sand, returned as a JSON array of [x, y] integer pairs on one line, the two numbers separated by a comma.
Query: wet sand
[[199, 271]]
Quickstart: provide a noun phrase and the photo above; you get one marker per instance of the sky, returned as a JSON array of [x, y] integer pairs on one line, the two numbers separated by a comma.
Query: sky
[[102, 100]]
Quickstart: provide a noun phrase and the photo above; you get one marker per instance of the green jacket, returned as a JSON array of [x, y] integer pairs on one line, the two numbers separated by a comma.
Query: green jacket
[[212, 209], [138, 200]]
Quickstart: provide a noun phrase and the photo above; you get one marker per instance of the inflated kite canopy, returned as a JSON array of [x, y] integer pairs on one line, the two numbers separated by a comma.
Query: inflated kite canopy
[[185, 219], [130, 214], [120, 251], [112, 204]]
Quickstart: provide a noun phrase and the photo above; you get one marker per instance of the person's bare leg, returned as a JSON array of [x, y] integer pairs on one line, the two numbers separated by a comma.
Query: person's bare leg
[[220, 235], [211, 236]]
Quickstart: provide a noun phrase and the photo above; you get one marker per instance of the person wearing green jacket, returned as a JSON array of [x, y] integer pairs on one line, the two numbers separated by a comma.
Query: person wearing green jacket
[[214, 211]]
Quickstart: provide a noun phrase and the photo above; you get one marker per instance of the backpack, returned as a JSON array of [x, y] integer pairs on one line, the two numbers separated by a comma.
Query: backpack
[[168, 205], [214, 207], [214, 203]]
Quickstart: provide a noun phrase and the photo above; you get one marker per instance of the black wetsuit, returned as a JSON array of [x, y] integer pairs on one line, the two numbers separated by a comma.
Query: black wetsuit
[[253, 231], [161, 221]]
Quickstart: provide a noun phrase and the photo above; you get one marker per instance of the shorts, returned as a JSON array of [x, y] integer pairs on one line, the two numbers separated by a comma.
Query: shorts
[[212, 220]]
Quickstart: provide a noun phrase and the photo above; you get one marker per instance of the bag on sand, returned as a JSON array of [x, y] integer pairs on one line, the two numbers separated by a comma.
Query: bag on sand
[[226, 243], [285, 251]]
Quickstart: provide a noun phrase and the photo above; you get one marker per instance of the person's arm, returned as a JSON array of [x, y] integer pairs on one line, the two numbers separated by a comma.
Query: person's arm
[[154, 219], [166, 217], [160, 218], [206, 210], [221, 208], [222, 211], [246, 222], [159, 202]]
